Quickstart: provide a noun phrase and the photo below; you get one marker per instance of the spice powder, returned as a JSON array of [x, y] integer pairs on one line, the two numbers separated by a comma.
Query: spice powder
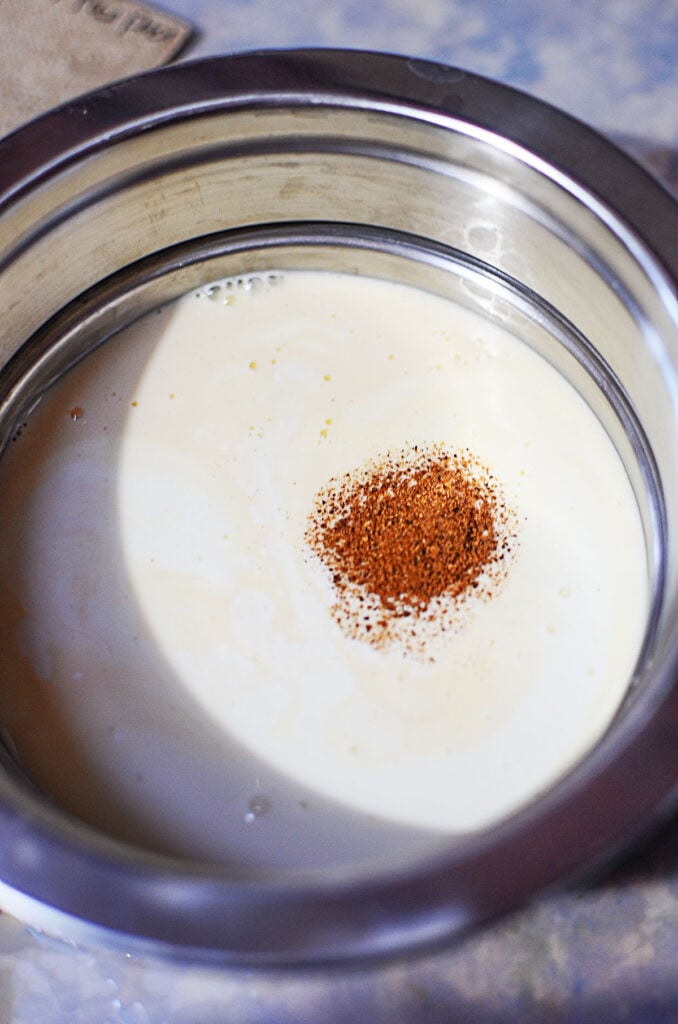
[[407, 540]]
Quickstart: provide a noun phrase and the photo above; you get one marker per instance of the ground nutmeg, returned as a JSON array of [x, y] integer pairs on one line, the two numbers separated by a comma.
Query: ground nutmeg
[[407, 539]]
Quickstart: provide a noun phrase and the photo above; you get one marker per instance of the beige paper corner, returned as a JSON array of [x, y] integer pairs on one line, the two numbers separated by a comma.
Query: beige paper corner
[[54, 50]]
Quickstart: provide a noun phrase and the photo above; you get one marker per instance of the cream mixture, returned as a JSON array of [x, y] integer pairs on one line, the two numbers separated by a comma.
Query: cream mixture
[[172, 670]]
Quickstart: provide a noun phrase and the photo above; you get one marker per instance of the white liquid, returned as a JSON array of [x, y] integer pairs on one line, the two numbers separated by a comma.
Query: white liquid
[[174, 673]]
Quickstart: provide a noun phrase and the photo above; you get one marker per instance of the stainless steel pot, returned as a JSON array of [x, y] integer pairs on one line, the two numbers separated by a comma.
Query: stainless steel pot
[[421, 173]]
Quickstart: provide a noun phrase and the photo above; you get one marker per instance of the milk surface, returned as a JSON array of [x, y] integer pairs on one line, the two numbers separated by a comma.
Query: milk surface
[[172, 671]]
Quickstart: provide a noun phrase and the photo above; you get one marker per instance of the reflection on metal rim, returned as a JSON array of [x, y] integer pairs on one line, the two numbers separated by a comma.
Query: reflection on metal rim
[[155, 180]]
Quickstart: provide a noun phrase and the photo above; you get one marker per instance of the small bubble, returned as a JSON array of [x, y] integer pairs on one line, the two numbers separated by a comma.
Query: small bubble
[[257, 807]]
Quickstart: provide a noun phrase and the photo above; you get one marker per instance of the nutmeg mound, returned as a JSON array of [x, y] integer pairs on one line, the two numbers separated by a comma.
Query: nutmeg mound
[[407, 539]]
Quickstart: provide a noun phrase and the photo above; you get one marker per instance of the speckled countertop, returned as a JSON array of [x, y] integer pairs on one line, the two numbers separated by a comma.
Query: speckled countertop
[[606, 952]]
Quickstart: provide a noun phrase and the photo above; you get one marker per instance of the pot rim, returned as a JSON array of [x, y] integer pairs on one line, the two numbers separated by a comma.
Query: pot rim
[[80, 882]]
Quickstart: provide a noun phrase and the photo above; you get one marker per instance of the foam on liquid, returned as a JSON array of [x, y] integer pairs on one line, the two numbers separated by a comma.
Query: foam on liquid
[[172, 671]]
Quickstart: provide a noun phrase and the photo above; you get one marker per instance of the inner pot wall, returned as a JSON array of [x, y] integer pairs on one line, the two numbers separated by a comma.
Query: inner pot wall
[[382, 143]]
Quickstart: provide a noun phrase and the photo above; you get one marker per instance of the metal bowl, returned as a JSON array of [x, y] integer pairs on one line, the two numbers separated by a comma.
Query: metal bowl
[[399, 168]]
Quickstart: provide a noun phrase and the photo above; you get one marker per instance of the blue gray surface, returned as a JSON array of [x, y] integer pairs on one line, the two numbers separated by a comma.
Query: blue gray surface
[[604, 952], [613, 63]]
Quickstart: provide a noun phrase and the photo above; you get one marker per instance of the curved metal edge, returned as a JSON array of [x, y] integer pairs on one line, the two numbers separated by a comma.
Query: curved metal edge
[[180, 916], [485, 875], [306, 921], [427, 91]]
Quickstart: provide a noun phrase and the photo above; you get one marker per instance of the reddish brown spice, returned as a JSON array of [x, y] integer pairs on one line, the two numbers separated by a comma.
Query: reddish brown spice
[[76, 413], [407, 538]]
